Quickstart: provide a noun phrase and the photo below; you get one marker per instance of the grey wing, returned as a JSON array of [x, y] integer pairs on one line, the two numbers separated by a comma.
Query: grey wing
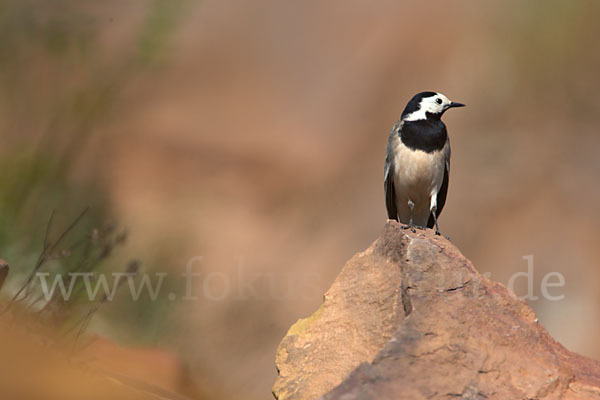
[[441, 196], [389, 189], [390, 192]]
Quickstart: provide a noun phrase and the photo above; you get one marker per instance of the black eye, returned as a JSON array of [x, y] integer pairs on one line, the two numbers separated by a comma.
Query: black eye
[[438, 100]]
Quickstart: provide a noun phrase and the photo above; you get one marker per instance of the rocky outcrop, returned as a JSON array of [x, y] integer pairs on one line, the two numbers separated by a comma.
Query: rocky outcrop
[[410, 318]]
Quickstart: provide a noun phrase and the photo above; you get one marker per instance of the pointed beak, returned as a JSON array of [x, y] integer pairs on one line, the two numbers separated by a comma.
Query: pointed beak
[[455, 104]]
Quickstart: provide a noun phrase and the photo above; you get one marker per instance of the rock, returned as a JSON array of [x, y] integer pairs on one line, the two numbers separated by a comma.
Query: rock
[[410, 318], [160, 368], [35, 367]]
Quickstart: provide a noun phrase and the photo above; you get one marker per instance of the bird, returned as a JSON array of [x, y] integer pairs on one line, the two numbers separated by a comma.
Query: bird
[[417, 162]]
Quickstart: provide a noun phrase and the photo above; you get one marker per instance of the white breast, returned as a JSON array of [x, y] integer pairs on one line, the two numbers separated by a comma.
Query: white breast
[[418, 177]]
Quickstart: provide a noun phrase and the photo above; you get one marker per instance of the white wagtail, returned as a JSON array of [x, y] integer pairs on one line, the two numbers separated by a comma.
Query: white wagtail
[[417, 163]]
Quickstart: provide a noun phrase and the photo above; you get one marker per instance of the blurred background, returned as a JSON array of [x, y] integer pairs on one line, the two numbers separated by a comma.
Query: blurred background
[[253, 134]]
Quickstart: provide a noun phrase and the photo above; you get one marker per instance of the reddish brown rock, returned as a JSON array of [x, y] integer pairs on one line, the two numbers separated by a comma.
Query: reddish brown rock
[[360, 312], [35, 367], [161, 368], [410, 318]]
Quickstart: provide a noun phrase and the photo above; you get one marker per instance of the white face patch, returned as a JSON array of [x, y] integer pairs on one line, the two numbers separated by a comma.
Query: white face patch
[[434, 104]]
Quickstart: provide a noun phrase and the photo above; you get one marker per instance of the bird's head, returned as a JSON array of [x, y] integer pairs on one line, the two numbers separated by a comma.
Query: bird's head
[[426, 105]]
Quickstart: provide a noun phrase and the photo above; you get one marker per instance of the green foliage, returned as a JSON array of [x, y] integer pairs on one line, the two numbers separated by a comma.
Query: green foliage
[[158, 28]]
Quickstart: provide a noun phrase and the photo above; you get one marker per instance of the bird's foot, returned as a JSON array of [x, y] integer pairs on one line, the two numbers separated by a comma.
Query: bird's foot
[[409, 226], [438, 233]]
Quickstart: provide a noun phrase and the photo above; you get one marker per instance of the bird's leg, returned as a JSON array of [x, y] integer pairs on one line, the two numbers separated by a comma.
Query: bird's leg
[[434, 213], [411, 225]]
